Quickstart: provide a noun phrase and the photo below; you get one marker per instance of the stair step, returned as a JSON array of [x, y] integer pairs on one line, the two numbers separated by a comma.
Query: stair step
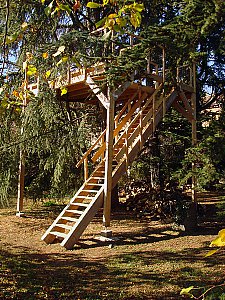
[[80, 204], [58, 234], [84, 197], [92, 183], [75, 211], [63, 226], [70, 219], [91, 191]]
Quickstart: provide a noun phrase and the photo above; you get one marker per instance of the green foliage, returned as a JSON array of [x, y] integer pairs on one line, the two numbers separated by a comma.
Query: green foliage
[[208, 156], [54, 34]]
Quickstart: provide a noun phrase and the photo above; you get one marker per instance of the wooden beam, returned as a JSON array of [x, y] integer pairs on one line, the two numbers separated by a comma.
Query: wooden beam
[[121, 89], [186, 103], [182, 110], [20, 196], [194, 137], [108, 160], [96, 90], [86, 169]]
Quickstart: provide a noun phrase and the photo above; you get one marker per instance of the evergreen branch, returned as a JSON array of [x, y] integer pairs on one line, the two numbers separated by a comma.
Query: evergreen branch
[[37, 135]]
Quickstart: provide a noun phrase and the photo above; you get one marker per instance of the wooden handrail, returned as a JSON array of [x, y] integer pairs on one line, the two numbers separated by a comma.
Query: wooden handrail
[[125, 106], [90, 149], [120, 126]]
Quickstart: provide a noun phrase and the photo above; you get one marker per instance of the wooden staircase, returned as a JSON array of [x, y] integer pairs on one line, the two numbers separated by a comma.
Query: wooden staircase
[[134, 124]]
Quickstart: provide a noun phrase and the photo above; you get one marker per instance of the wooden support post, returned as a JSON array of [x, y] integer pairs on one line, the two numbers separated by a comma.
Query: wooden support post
[[140, 121], [19, 209], [164, 78], [85, 169], [20, 194], [191, 221], [102, 143], [126, 150], [108, 161], [194, 135], [153, 114]]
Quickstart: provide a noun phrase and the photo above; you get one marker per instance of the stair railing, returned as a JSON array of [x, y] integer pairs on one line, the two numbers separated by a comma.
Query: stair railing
[[84, 159]]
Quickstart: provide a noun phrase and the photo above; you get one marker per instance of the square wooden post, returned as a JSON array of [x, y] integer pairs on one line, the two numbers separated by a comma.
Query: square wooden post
[[19, 209], [194, 136], [108, 161], [20, 194]]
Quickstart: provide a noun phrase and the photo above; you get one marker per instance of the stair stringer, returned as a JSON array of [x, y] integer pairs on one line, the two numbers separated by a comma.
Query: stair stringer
[[89, 213], [47, 236]]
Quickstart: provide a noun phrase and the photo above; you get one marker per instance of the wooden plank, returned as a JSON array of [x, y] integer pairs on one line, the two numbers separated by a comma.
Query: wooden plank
[[21, 184], [194, 138], [96, 90], [108, 160], [181, 110], [186, 102], [91, 148], [186, 87], [85, 169], [84, 220], [59, 234], [121, 89]]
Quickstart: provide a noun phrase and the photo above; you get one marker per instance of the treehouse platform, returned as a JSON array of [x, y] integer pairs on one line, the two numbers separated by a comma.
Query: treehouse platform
[[133, 111]]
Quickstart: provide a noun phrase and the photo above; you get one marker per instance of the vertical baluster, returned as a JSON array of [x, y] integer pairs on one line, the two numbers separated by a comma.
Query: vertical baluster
[[85, 169]]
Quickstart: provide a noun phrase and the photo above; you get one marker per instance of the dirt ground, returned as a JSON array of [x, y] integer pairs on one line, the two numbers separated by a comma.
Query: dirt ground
[[148, 260]]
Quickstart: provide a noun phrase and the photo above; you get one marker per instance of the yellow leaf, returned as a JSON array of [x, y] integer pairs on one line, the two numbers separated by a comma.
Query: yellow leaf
[[21, 95], [1, 90], [15, 93], [186, 291], [47, 73], [93, 5], [211, 252], [45, 55], [121, 22], [63, 91], [217, 242], [43, 1], [11, 38], [64, 58], [31, 70], [221, 234], [135, 19], [24, 25], [112, 16], [138, 7]]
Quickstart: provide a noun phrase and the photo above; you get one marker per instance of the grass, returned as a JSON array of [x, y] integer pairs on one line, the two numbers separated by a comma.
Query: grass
[[149, 260]]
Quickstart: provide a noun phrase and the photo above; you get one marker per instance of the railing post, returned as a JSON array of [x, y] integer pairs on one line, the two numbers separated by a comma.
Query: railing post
[[69, 75], [164, 79], [85, 169], [140, 121], [116, 124], [127, 149], [153, 114]]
